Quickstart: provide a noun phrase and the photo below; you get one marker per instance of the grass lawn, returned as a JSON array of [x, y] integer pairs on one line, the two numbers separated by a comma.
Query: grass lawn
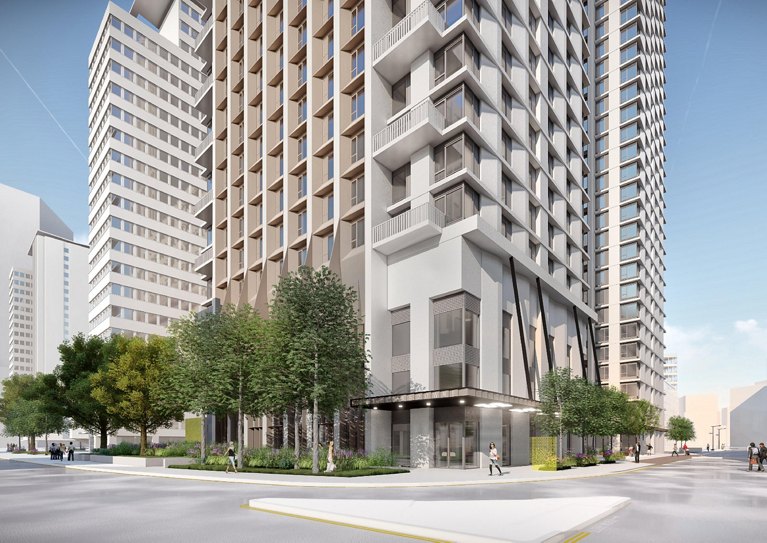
[[349, 473]]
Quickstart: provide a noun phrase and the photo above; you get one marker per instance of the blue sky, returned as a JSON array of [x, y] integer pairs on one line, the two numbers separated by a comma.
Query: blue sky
[[716, 75]]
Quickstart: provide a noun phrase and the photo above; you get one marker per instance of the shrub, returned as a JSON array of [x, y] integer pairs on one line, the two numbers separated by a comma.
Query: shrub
[[180, 448], [121, 449]]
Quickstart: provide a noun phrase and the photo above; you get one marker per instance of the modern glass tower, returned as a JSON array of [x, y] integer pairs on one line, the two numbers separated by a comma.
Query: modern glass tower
[[143, 181]]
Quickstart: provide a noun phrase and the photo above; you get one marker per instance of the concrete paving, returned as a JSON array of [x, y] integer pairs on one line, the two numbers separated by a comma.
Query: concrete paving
[[415, 478]]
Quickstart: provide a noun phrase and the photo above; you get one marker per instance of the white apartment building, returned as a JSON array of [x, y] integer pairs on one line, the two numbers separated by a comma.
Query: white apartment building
[[627, 191], [22, 215], [21, 345], [143, 182], [431, 153], [60, 296]]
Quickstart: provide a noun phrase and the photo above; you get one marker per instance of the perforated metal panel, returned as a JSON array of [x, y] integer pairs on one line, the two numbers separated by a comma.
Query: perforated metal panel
[[400, 315], [400, 363]]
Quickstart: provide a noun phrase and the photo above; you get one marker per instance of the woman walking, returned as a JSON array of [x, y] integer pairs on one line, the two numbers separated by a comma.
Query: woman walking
[[753, 456], [230, 455], [493, 454]]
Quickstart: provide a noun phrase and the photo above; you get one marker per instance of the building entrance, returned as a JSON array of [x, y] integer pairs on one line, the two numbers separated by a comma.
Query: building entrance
[[456, 444]]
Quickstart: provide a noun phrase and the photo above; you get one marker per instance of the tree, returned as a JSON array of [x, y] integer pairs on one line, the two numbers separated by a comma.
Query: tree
[[681, 429], [81, 359], [198, 346], [641, 417], [556, 393], [613, 412], [323, 357], [133, 386], [586, 414], [31, 406]]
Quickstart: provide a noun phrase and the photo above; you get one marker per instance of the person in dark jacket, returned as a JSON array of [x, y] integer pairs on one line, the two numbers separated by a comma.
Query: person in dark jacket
[[753, 455], [637, 448], [762, 456]]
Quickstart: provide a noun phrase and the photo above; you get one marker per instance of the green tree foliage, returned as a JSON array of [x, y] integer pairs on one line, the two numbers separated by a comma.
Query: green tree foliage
[[321, 360], [681, 429], [557, 395], [81, 359], [31, 406], [133, 386], [641, 417]]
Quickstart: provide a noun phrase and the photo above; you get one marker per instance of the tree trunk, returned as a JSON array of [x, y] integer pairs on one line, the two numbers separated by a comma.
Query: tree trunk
[[142, 441], [103, 428], [315, 438], [240, 430], [31, 442], [297, 440], [202, 439], [46, 442]]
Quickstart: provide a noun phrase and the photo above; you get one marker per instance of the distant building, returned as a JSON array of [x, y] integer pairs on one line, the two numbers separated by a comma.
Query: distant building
[[704, 412], [22, 215], [670, 368], [20, 329], [747, 421]]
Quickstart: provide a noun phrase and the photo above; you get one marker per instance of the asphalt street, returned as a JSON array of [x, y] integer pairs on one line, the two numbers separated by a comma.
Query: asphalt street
[[704, 500]]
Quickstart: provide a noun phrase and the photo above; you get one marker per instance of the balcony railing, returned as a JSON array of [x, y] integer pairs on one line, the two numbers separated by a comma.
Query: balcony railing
[[204, 201], [205, 255], [204, 30], [203, 144], [425, 213], [207, 84], [423, 11], [422, 111]]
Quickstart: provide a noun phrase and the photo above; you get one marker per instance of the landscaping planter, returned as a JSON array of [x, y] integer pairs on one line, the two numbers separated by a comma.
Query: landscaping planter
[[138, 461]]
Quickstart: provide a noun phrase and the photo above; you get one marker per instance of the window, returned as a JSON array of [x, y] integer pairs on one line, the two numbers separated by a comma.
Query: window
[[629, 131], [628, 13], [330, 166], [358, 18], [329, 241], [281, 235], [629, 72], [457, 104], [455, 155], [601, 125], [329, 207], [629, 151], [329, 126], [358, 61], [601, 259], [629, 211], [601, 240], [629, 191], [281, 199], [329, 46], [358, 105], [630, 290], [358, 147], [457, 203], [629, 231], [447, 328], [629, 32], [629, 112], [302, 185], [600, 68], [629, 171], [629, 92], [358, 233], [630, 310], [358, 191], [629, 52], [629, 331], [400, 183], [455, 56], [601, 298], [301, 144], [400, 339], [629, 271], [532, 216], [302, 223], [629, 251], [400, 93], [629, 350]]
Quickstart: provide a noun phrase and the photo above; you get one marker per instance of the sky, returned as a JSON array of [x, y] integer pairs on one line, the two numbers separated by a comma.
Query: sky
[[716, 188]]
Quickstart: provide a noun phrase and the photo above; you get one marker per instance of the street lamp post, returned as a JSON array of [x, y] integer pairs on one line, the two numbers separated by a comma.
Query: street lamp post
[[712, 434], [719, 437]]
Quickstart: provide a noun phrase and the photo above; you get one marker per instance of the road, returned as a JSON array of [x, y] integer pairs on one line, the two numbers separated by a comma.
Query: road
[[703, 500]]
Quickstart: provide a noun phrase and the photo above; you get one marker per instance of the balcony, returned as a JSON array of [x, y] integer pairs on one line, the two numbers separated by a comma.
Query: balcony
[[420, 30], [421, 125], [203, 264], [203, 98], [203, 209], [203, 43], [204, 152], [408, 228]]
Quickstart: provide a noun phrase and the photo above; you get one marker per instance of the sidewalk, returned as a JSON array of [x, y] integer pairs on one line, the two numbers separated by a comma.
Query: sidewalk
[[415, 478]]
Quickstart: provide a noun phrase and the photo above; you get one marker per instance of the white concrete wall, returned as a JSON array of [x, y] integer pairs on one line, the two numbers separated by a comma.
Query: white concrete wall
[[703, 410], [747, 420]]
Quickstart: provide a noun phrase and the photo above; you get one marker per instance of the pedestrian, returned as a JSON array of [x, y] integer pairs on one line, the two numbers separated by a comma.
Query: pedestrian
[[637, 449], [707, 449], [762, 456], [675, 452], [684, 448], [753, 454], [649, 449], [230, 455], [52, 450], [71, 452], [494, 458]]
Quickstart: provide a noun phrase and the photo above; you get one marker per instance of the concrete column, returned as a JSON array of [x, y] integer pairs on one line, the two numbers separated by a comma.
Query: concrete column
[[490, 429], [520, 439], [422, 437]]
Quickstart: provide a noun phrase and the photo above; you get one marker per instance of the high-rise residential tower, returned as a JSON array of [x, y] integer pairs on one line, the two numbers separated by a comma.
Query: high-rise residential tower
[[143, 179], [627, 153], [432, 154], [22, 216]]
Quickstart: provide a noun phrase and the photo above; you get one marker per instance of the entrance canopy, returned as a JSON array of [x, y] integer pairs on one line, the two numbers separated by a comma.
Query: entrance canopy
[[465, 397]]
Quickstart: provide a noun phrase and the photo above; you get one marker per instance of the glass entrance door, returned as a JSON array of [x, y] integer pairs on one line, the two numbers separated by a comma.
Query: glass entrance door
[[450, 444]]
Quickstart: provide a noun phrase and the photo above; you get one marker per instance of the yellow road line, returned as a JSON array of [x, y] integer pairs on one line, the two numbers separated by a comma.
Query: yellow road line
[[577, 537], [347, 525]]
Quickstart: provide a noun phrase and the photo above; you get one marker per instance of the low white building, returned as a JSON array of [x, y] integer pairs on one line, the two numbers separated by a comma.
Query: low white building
[[746, 414], [704, 412]]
